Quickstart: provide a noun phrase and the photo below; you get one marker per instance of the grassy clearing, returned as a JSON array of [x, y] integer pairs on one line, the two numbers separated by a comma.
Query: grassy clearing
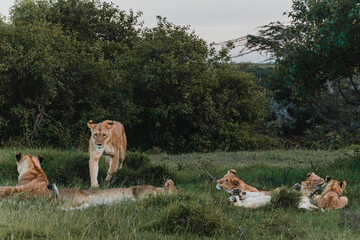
[[198, 212]]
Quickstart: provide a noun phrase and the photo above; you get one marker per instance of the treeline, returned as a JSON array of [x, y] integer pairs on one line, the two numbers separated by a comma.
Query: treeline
[[64, 62]]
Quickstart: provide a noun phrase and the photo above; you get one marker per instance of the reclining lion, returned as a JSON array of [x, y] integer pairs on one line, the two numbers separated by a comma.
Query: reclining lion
[[79, 199], [231, 181], [32, 179], [248, 199], [307, 189], [331, 198]]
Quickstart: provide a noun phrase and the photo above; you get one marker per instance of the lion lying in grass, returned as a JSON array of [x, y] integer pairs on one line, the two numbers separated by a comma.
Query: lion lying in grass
[[231, 181], [33, 182], [307, 188], [80, 199], [248, 199], [247, 196], [331, 196], [32, 179]]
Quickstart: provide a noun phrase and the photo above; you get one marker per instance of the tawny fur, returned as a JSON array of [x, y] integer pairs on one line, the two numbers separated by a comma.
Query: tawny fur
[[79, 199], [307, 187], [231, 181], [32, 179], [107, 138], [331, 198], [169, 187]]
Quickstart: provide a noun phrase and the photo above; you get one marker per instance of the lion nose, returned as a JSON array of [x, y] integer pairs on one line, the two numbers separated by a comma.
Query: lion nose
[[99, 144]]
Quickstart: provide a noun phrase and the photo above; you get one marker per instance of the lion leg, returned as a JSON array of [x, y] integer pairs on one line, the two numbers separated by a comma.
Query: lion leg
[[108, 160], [123, 150], [342, 202], [312, 206], [114, 162], [320, 202], [94, 170]]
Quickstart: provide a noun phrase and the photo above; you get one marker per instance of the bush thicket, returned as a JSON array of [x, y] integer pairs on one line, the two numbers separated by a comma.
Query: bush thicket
[[63, 63]]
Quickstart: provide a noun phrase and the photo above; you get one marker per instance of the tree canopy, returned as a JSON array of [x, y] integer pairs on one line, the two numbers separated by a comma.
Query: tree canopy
[[320, 44], [65, 62]]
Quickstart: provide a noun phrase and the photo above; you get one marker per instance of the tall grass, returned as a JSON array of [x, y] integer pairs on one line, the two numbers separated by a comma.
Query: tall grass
[[199, 211]]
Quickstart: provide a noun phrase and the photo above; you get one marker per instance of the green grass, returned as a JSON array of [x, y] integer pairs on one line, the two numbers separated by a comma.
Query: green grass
[[198, 212]]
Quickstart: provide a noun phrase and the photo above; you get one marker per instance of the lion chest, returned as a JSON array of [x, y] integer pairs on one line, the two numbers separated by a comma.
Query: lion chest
[[109, 151]]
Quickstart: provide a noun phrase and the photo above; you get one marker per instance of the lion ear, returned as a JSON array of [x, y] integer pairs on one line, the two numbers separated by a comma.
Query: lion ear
[[328, 179], [110, 125], [19, 156], [233, 171], [309, 174], [91, 124], [343, 184], [41, 158]]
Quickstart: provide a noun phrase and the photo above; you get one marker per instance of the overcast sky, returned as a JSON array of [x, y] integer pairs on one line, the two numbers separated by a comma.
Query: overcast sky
[[212, 20]]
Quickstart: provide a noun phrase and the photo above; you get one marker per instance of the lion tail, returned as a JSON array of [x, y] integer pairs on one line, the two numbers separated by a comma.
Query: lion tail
[[53, 187]]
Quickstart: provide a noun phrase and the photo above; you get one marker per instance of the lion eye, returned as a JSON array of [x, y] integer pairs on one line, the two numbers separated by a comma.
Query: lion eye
[[95, 135], [226, 180], [104, 135]]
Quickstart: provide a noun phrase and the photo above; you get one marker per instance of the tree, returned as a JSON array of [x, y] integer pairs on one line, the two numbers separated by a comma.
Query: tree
[[63, 63], [53, 78], [189, 97], [320, 44]]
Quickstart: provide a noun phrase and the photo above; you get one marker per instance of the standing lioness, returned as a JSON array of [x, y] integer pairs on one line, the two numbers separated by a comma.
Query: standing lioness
[[107, 138]]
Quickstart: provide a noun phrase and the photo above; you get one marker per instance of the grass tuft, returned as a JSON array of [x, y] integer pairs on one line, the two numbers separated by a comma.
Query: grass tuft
[[285, 198], [192, 217]]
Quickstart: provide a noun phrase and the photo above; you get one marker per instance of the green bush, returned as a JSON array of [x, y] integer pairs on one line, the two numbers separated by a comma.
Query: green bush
[[285, 198], [165, 84], [138, 170], [202, 219]]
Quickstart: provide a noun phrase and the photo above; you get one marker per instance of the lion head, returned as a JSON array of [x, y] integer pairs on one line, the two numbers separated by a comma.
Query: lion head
[[334, 186], [229, 181], [100, 133], [310, 183], [170, 186], [29, 168]]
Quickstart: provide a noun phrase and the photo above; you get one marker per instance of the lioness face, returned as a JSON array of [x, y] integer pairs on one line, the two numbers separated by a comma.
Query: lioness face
[[26, 162], [100, 133], [311, 181], [228, 182]]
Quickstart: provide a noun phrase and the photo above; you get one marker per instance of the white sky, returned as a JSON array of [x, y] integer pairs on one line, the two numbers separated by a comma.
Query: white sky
[[212, 20]]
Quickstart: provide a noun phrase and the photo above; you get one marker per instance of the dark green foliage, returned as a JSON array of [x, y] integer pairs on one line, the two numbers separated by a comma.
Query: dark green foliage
[[63, 63], [316, 72], [138, 170], [319, 45], [285, 198]]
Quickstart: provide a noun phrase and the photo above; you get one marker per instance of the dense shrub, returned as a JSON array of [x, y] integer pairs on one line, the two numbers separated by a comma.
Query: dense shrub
[[138, 170], [165, 84], [285, 198]]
